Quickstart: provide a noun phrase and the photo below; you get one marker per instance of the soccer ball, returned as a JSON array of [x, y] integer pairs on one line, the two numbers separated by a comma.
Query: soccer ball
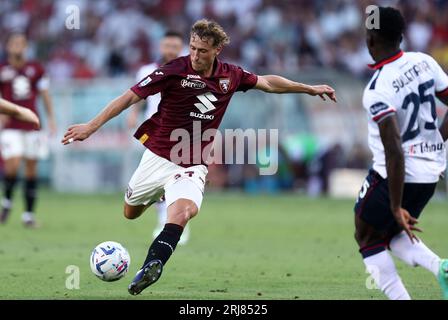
[[110, 261]]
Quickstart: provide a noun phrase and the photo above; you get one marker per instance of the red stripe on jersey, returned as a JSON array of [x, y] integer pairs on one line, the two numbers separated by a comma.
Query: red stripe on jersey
[[381, 116], [382, 63], [443, 93]]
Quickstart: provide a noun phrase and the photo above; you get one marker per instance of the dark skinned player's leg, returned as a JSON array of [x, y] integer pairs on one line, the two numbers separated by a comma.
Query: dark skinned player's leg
[[374, 223], [416, 197], [379, 263]]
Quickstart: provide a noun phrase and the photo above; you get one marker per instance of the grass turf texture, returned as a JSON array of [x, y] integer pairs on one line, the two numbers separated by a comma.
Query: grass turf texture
[[241, 247]]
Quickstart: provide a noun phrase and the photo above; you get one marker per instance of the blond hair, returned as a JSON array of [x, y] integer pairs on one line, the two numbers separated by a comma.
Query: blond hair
[[209, 29]]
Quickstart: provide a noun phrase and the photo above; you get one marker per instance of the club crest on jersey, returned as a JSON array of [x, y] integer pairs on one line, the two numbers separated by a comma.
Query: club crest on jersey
[[192, 84], [145, 82], [224, 84]]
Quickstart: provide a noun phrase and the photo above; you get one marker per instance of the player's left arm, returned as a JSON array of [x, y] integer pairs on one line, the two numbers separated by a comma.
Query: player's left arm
[[48, 104], [278, 84]]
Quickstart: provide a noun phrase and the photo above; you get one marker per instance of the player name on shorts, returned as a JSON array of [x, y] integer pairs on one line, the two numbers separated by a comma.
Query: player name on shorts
[[410, 75]]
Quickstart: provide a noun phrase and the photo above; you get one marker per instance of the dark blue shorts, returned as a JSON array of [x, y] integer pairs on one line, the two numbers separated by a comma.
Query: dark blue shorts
[[373, 205]]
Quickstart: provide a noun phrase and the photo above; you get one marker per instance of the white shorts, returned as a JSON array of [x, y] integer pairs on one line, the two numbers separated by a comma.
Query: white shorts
[[156, 176], [31, 145]]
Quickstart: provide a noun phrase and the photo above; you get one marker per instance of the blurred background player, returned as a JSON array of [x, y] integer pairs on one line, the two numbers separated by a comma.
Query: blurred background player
[[170, 48], [21, 81], [409, 155]]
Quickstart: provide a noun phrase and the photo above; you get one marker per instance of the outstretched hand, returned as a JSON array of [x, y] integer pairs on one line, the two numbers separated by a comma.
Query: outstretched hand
[[77, 132], [324, 91], [407, 222]]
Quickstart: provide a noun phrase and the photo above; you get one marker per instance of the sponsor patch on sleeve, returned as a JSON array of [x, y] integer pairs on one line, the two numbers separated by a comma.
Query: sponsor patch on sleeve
[[377, 108], [145, 82]]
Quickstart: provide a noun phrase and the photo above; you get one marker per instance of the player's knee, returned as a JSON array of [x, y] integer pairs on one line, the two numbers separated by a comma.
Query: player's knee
[[129, 213]]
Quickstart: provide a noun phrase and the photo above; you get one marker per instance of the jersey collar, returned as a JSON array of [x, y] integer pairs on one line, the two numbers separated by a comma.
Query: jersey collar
[[215, 71], [382, 63]]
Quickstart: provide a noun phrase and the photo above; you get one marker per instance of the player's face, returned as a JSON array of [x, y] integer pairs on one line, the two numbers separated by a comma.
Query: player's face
[[202, 53], [170, 48], [16, 45]]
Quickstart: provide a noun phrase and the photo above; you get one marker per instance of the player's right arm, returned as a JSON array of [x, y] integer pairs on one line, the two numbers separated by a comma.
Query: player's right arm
[[18, 112], [444, 127], [391, 139], [80, 132]]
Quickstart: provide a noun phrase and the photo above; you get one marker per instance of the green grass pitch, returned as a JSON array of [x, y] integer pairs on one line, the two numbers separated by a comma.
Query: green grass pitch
[[241, 247]]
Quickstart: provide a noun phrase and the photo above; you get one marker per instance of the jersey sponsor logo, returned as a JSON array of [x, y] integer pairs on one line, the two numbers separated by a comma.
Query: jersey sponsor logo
[[21, 87], [377, 108], [145, 82], [224, 84], [192, 84], [202, 116], [206, 104], [193, 76], [159, 73], [424, 147]]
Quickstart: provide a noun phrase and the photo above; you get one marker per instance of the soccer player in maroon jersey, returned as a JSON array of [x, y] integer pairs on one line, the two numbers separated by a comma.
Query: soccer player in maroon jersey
[[170, 48], [21, 81], [195, 88]]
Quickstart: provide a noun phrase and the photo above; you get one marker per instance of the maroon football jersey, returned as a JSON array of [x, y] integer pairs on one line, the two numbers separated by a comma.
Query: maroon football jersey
[[188, 100], [21, 87]]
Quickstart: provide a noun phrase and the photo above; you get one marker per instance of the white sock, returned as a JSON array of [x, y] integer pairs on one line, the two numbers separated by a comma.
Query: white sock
[[414, 254], [28, 216], [6, 203], [162, 212], [382, 269]]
